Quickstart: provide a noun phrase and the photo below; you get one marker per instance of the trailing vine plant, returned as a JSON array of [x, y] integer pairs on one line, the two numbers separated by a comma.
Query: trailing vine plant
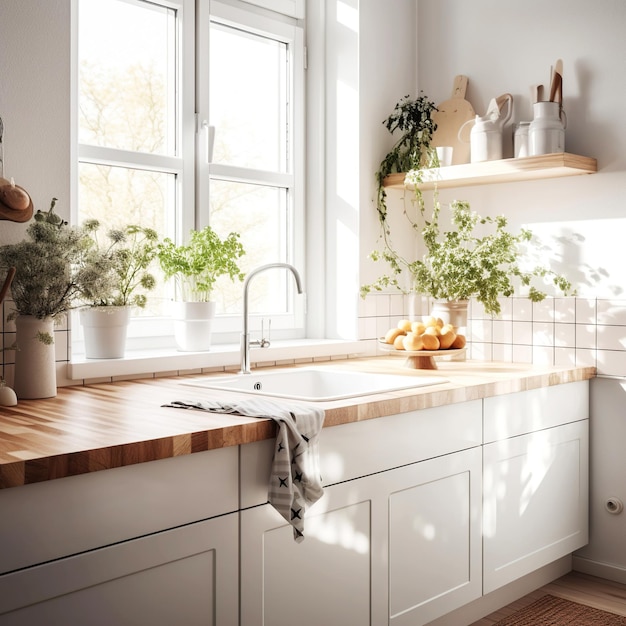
[[459, 262], [412, 118], [472, 257]]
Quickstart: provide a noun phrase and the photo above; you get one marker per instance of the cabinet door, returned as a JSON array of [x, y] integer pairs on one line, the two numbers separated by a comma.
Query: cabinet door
[[535, 506], [188, 576], [434, 517], [401, 547], [325, 579]]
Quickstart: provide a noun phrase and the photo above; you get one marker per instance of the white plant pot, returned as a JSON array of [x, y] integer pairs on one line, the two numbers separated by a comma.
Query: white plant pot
[[35, 362], [451, 312], [193, 323], [105, 330]]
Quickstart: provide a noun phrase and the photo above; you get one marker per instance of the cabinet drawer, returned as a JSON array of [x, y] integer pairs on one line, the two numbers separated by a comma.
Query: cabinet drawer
[[52, 519], [527, 411], [187, 576], [353, 450]]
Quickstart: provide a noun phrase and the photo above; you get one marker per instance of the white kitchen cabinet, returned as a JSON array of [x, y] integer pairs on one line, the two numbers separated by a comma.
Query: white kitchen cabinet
[[422, 513], [187, 575], [57, 518], [535, 484], [153, 543], [400, 546], [434, 537], [323, 580]]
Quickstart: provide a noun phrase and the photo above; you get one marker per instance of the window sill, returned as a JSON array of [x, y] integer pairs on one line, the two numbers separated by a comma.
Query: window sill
[[220, 357]]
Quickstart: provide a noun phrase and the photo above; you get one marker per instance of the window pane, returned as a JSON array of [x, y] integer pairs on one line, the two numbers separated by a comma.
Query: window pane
[[117, 196], [260, 215], [248, 99], [126, 76]]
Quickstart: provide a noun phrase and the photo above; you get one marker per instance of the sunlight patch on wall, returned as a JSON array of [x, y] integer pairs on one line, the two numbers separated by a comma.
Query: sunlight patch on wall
[[588, 252], [348, 15]]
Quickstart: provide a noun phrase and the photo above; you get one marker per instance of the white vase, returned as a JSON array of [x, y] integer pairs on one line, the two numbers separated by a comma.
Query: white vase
[[35, 362], [193, 324], [105, 329], [451, 312]]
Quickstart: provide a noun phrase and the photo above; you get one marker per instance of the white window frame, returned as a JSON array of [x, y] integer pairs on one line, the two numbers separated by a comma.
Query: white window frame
[[190, 165], [288, 31], [148, 332]]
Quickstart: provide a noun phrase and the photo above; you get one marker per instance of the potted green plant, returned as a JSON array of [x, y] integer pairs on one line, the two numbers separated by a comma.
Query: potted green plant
[[458, 262], [54, 265], [195, 268], [413, 119], [129, 253]]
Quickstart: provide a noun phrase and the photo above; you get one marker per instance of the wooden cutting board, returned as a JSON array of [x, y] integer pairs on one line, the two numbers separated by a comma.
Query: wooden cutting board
[[450, 116]]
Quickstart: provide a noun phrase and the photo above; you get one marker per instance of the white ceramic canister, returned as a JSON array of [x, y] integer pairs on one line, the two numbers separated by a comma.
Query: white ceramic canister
[[546, 133], [520, 140], [485, 142]]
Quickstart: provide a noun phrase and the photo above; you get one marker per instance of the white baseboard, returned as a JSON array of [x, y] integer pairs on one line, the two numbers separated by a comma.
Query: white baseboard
[[601, 570], [495, 600]]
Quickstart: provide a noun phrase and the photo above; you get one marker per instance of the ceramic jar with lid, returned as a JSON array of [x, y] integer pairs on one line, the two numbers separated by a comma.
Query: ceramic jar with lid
[[546, 133]]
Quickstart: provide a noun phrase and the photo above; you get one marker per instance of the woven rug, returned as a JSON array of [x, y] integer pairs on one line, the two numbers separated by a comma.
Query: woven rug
[[552, 611]]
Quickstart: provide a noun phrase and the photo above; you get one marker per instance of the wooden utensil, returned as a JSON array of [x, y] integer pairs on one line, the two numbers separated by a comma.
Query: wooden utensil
[[451, 114], [556, 84], [536, 94]]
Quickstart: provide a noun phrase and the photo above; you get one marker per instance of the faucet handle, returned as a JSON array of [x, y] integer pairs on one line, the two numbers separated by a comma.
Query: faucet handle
[[265, 343]]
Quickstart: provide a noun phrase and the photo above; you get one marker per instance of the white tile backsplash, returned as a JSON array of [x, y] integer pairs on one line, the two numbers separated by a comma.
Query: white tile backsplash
[[611, 312], [502, 352], [560, 331], [611, 337], [611, 362], [586, 336], [586, 358], [502, 331], [396, 305], [565, 335], [522, 354], [523, 333], [585, 311], [565, 310], [543, 311], [383, 305], [564, 357], [481, 330], [506, 308], [543, 355], [543, 334], [522, 310]]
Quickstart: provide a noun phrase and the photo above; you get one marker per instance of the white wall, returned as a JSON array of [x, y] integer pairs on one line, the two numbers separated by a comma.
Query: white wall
[[506, 47], [387, 72], [363, 74], [34, 102]]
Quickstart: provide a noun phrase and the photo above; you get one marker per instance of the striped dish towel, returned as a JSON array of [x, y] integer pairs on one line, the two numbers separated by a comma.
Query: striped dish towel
[[295, 481]]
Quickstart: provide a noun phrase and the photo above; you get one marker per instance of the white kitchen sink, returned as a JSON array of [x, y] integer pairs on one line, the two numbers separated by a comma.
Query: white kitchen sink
[[314, 384]]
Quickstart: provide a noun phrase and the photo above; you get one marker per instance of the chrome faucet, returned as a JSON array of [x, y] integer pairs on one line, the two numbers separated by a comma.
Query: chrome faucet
[[245, 335]]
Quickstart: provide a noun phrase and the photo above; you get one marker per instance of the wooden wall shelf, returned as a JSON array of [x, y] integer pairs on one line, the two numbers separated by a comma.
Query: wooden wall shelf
[[503, 171]]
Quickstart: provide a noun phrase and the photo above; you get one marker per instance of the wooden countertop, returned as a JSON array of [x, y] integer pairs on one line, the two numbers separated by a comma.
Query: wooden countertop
[[102, 426]]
